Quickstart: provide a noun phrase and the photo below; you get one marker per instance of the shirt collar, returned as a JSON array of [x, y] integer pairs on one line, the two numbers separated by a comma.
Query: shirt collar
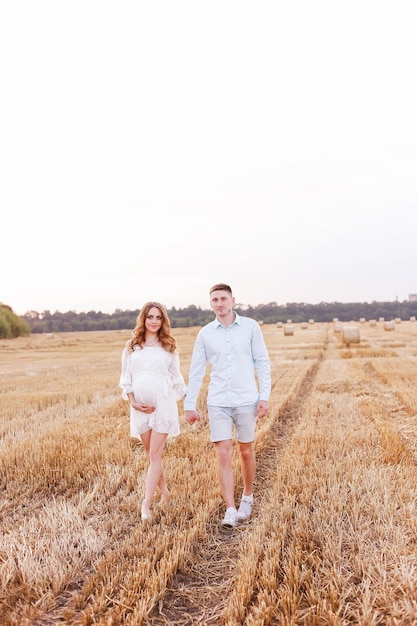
[[235, 321]]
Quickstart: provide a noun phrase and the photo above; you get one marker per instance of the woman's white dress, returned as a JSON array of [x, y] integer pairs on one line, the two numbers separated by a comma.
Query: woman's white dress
[[154, 377]]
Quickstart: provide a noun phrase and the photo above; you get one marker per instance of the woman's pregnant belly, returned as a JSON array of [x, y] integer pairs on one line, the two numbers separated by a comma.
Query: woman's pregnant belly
[[147, 388]]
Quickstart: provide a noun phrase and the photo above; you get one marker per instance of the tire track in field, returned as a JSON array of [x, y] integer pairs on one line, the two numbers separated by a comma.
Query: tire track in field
[[199, 590]]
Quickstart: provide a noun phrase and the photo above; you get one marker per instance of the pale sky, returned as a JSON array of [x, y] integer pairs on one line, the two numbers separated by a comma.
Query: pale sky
[[151, 149]]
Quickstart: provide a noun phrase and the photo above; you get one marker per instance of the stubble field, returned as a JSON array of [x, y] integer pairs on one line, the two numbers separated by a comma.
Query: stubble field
[[333, 536]]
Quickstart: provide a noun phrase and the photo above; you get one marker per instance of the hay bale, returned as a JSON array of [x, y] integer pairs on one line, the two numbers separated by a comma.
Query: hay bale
[[413, 318], [398, 320], [288, 329], [335, 319], [289, 321], [389, 325], [338, 327], [372, 322], [362, 320], [304, 325], [381, 319], [350, 334], [279, 324], [261, 322], [311, 321]]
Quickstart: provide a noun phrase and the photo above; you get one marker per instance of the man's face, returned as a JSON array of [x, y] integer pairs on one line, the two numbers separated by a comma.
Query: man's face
[[221, 302]]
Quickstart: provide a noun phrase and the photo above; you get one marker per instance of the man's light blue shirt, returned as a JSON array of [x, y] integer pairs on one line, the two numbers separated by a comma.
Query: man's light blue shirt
[[235, 353]]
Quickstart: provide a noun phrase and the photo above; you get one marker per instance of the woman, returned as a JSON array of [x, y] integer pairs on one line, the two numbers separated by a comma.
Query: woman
[[152, 382]]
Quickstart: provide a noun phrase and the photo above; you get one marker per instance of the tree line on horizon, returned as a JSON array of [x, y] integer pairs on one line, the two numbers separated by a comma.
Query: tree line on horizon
[[12, 325]]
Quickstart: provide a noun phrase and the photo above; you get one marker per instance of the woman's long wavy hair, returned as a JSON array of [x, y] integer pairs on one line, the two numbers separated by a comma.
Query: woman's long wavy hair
[[167, 341]]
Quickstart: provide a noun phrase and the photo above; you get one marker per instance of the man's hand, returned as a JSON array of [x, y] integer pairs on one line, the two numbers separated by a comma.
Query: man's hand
[[192, 417], [262, 408]]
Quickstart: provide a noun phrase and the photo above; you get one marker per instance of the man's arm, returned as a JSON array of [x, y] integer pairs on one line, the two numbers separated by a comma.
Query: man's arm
[[262, 364]]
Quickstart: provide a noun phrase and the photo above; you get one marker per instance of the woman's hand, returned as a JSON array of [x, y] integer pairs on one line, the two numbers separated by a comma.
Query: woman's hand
[[143, 408]]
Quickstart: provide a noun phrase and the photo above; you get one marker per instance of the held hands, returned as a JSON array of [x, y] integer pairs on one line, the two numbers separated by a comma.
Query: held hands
[[192, 417], [262, 408]]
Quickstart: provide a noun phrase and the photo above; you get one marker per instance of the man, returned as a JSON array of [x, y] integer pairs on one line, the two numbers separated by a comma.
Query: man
[[235, 348]]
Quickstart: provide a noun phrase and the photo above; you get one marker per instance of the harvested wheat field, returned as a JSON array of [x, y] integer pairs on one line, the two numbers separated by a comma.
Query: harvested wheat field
[[333, 536]]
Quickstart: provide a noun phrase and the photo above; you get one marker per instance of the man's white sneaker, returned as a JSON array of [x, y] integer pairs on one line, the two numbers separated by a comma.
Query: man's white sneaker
[[230, 517], [245, 510]]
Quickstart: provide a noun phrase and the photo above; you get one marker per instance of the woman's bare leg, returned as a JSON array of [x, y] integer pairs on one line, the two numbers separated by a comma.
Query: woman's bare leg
[[153, 476], [146, 440]]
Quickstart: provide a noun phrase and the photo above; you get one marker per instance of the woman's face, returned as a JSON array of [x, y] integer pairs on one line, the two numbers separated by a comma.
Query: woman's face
[[153, 320]]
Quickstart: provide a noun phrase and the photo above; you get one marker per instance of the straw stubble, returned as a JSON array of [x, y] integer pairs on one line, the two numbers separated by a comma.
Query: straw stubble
[[332, 538]]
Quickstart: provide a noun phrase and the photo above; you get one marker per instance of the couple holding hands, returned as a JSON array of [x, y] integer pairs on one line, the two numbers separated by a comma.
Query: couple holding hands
[[152, 382]]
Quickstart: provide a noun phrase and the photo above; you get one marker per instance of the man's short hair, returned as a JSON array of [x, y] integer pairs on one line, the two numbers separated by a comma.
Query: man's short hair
[[220, 287]]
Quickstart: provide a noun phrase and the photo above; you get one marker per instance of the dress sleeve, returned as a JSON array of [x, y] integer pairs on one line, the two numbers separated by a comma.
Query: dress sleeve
[[125, 381], [177, 379]]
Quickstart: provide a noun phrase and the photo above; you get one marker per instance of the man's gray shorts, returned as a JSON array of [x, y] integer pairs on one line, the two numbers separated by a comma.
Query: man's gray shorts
[[224, 418]]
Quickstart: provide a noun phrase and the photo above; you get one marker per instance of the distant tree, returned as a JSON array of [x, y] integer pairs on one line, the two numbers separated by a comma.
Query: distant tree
[[11, 325]]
